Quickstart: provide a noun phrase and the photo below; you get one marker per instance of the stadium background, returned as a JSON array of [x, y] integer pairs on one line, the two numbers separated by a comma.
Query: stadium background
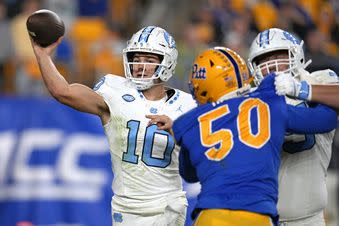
[[54, 161]]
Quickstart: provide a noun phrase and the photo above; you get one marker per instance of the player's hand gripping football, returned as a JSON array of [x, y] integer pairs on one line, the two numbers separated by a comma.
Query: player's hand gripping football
[[162, 121], [40, 51]]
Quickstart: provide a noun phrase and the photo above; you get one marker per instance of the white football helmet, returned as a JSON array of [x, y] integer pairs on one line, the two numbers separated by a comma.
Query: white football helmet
[[153, 40], [271, 40]]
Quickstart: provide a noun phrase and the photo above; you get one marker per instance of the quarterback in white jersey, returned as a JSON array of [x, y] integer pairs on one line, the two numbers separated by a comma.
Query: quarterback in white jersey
[[147, 185], [305, 159], [144, 159]]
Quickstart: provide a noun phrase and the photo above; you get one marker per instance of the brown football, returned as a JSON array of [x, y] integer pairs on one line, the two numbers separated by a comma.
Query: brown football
[[45, 27]]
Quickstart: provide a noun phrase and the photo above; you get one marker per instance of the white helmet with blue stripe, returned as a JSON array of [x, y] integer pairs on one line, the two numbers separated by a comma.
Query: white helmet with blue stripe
[[155, 40], [272, 40]]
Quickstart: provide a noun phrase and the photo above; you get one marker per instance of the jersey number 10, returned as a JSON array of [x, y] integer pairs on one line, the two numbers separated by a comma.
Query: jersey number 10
[[149, 139]]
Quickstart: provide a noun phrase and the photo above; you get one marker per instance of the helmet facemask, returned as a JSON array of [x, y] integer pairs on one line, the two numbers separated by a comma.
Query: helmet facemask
[[143, 80], [151, 40], [280, 65]]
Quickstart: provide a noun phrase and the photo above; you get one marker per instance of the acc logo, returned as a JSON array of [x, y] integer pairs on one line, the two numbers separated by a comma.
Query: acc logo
[[128, 98], [64, 178], [291, 38], [198, 74]]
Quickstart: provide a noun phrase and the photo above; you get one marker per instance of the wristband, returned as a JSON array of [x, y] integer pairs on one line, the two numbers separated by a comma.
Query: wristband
[[304, 91]]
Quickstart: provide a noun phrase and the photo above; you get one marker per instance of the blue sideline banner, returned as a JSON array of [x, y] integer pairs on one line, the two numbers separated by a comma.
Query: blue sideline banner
[[55, 167]]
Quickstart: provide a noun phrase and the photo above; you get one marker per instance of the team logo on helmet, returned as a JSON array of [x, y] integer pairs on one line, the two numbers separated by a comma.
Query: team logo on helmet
[[198, 74], [146, 33], [169, 39], [291, 38], [264, 38]]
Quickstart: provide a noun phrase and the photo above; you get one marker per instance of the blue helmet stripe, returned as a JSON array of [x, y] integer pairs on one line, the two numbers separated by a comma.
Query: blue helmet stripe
[[145, 34], [264, 38], [235, 65]]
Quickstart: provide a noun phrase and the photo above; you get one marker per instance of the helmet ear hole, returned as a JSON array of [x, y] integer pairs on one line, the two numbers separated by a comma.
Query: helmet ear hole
[[203, 93]]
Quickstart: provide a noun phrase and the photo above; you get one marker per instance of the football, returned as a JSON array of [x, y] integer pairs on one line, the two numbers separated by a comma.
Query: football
[[45, 27]]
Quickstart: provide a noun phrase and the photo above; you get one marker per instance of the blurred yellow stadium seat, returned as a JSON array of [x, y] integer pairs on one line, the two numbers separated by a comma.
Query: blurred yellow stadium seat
[[238, 6], [265, 15], [83, 33], [106, 62], [311, 7]]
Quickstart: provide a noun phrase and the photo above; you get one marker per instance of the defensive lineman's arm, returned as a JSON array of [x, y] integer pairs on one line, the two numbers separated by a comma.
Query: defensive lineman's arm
[[326, 94], [323, 92], [77, 96]]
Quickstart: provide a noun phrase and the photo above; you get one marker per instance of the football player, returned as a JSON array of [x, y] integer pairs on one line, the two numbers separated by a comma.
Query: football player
[[305, 157], [147, 186], [231, 143]]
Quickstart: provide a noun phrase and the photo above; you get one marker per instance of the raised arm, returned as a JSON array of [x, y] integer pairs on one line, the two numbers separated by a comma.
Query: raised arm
[[326, 94], [77, 96]]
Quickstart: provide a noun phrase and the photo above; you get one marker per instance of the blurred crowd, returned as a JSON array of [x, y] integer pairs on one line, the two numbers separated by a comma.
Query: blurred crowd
[[97, 31]]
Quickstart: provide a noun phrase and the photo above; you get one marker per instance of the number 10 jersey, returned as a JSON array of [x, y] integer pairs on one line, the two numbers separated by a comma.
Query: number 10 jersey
[[144, 159]]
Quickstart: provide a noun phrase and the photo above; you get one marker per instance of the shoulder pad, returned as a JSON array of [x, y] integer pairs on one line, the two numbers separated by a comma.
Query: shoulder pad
[[322, 77]]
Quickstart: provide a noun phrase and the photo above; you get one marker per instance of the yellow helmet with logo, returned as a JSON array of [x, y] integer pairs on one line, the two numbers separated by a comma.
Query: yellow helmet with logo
[[216, 73]]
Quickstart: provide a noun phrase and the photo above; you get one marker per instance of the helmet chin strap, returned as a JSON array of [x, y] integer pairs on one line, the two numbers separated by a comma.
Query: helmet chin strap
[[154, 84]]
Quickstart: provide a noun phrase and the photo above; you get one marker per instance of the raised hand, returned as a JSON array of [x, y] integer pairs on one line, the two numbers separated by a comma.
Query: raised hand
[[162, 121], [285, 84], [40, 51]]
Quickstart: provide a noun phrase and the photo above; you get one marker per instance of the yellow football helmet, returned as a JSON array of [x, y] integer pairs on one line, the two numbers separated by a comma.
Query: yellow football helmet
[[217, 72]]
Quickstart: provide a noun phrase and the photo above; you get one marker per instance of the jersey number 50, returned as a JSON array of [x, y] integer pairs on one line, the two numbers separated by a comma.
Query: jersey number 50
[[224, 137]]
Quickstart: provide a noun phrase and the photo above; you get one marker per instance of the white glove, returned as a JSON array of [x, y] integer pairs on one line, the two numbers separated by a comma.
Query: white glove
[[301, 74], [285, 84]]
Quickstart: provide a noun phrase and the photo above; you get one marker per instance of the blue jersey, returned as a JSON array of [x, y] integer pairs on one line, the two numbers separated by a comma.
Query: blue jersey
[[233, 148]]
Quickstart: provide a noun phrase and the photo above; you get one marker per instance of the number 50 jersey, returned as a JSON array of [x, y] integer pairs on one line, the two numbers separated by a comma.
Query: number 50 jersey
[[233, 148], [144, 159]]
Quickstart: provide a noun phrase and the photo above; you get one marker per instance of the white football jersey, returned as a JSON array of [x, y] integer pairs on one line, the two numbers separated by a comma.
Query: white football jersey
[[302, 174], [144, 159]]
